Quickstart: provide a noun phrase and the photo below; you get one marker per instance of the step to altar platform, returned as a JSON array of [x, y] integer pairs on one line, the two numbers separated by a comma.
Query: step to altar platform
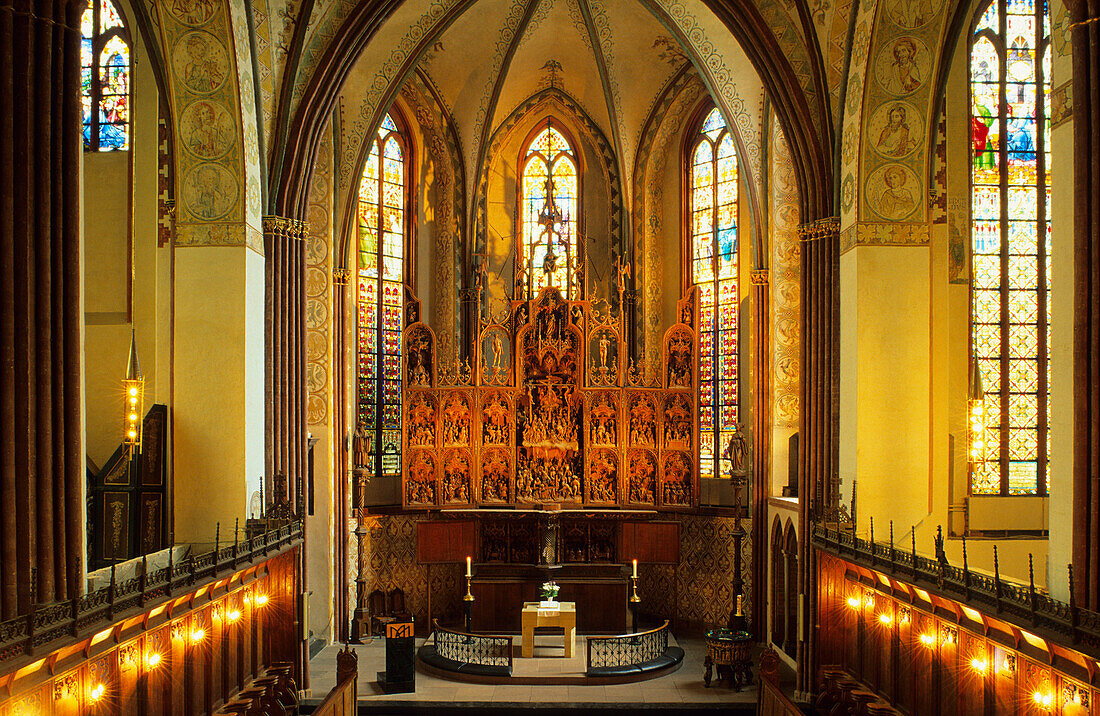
[[679, 692], [549, 665]]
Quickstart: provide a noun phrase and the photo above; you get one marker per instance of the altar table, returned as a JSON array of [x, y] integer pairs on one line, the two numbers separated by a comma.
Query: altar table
[[565, 618]]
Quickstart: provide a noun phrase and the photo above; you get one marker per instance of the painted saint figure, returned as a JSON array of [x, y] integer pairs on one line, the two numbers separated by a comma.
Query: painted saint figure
[[903, 75], [896, 201], [893, 140]]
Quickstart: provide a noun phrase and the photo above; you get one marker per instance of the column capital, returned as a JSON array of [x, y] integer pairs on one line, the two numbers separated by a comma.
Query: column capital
[[284, 227], [819, 229], [760, 277], [341, 276]]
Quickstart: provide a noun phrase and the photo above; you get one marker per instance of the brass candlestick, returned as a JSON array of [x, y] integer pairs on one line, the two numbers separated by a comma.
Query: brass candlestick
[[634, 601], [468, 605]]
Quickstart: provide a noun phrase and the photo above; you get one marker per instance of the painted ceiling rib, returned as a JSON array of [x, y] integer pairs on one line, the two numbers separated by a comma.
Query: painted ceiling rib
[[490, 112], [609, 101]]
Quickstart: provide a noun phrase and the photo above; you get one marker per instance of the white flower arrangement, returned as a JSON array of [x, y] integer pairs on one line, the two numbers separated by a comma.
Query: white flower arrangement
[[549, 591]]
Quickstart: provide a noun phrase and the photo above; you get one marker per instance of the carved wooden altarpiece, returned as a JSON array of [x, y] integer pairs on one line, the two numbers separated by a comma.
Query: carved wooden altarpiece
[[551, 413]]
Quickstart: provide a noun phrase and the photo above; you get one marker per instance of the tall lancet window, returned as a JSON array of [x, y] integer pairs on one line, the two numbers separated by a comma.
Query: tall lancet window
[[550, 191], [1010, 248], [381, 257], [105, 77], [712, 208]]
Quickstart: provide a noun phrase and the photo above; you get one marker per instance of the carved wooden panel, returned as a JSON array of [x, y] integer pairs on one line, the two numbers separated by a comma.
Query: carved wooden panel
[[680, 357], [421, 479], [676, 480], [641, 477], [603, 418], [421, 418], [677, 421], [419, 351], [497, 419], [456, 482], [641, 417], [455, 418], [603, 477], [496, 476]]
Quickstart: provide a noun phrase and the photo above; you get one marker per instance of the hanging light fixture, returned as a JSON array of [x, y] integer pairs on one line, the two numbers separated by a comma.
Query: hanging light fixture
[[975, 408], [134, 388]]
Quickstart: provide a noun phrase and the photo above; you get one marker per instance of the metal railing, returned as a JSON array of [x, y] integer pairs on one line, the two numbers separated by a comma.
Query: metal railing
[[1020, 604], [627, 649], [480, 649], [31, 633]]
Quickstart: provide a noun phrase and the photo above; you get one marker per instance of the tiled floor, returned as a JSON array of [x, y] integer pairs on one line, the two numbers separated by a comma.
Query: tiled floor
[[680, 688]]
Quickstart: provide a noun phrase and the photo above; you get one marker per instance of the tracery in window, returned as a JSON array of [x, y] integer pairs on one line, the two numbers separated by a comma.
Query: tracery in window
[[381, 220], [712, 178], [550, 191], [1010, 246], [105, 77]]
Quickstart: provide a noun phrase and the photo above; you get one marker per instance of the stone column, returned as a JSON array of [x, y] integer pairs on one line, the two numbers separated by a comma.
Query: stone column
[[286, 354], [1086, 333], [41, 417], [817, 446], [761, 451]]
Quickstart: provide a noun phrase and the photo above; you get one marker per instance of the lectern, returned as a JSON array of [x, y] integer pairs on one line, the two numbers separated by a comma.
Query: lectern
[[400, 674]]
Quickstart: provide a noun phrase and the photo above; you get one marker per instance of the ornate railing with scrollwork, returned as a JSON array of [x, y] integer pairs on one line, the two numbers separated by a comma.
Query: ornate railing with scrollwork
[[479, 649], [1019, 604], [627, 649], [31, 634]]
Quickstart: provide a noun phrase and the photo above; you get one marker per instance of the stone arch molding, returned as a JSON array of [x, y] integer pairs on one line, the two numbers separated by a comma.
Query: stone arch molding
[[712, 44]]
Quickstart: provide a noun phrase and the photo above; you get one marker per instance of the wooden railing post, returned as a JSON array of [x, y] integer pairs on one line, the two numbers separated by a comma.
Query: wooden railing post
[[1031, 589], [996, 580], [966, 571], [111, 594]]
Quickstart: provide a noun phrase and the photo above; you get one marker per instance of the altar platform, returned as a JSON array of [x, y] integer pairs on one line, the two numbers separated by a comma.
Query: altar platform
[[681, 691]]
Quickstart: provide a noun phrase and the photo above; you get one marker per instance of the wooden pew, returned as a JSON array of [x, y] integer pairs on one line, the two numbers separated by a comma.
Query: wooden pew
[[771, 700], [341, 701]]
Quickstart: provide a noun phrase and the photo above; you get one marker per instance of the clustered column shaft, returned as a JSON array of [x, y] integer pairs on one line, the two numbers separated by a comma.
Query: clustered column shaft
[[817, 447], [41, 450], [285, 346], [1086, 300]]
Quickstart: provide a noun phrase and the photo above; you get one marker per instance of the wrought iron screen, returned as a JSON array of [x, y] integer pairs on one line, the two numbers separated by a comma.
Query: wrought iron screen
[[473, 648], [627, 649]]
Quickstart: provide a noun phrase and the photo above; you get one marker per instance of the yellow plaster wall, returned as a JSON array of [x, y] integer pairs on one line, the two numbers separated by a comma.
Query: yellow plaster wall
[[885, 392], [218, 408]]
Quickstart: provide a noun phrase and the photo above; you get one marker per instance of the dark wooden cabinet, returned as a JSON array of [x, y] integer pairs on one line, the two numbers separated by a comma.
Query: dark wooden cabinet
[[600, 591]]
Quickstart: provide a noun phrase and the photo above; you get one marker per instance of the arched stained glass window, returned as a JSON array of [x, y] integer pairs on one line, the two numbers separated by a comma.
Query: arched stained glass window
[[381, 258], [712, 178], [105, 77], [551, 190], [1010, 247]]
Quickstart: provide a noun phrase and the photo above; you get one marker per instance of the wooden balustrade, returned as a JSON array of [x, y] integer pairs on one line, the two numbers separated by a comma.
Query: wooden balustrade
[[191, 638]]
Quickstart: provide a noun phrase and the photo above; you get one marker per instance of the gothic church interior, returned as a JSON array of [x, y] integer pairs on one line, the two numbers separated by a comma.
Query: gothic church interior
[[747, 337]]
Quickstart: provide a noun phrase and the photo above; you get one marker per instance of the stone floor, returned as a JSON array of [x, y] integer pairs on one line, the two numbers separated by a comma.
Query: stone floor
[[683, 688]]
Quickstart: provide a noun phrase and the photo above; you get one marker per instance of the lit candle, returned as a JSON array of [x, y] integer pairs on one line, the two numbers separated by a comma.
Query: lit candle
[[468, 572], [635, 569]]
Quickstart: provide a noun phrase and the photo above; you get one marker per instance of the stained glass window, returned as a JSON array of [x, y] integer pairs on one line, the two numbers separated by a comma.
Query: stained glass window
[[381, 252], [550, 210], [1010, 243], [105, 77], [712, 173]]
